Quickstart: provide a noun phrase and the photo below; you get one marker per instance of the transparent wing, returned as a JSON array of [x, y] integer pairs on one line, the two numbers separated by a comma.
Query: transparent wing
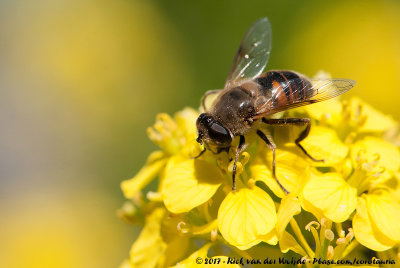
[[253, 53], [299, 92]]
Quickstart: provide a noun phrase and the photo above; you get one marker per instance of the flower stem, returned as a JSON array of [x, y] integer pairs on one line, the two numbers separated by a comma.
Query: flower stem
[[300, 237]]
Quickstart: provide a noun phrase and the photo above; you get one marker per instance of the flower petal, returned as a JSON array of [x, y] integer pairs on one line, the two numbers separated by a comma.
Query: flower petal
[[384, 212], [291, 170], [156, 161], [363, 230], [331, 195], [375, 120], [389, 155], [149, 246], [188, 183], [176, 250], [245, 216], [271, 238], [289, 207], [288, 242], [323, 143], [328, 111]]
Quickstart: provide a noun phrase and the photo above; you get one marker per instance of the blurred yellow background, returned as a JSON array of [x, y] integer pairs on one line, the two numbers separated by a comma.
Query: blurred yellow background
[[81, 80]]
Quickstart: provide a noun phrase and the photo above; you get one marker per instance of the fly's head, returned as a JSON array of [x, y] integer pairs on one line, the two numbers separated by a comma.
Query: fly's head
[[212, 133]]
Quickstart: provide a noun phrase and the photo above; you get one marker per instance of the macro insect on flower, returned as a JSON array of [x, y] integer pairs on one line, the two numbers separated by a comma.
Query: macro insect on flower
[[249, 97], [192, 212]]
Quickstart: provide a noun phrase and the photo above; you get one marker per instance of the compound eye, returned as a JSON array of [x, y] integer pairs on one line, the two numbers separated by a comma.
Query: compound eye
[[219, 133]]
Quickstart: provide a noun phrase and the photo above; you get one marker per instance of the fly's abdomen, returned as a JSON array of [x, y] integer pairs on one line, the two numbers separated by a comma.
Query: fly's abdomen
[[284, 87]]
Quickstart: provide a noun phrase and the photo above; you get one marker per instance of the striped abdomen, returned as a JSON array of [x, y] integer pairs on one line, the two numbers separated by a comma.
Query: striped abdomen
[[284, 87]]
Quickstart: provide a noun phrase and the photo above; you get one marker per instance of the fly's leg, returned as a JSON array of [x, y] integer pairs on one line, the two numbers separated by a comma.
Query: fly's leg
[[200, 154], [220, 150], [296, 122], [238, 150], [271, 145]]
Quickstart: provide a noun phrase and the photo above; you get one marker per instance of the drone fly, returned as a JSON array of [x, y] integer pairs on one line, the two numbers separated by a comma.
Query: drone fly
[[250, 96]]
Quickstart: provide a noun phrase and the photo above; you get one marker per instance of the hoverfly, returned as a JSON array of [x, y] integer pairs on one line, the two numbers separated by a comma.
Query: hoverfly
[[249, 97]]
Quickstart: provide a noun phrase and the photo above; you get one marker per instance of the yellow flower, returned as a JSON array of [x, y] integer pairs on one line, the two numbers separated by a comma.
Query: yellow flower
[[327, 112], [336, 195], [324, 144], [194, 204], [149, 246], [154, 247], [292, 170], [376, 223], [173, 137], [328, 195], [377, 156], [289, 207], [187, 183], [155, 163], [368, 118], [352, 115], [247, 217]]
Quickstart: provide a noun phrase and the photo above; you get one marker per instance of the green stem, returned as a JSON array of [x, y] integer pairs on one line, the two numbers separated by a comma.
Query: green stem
[[300, 237]]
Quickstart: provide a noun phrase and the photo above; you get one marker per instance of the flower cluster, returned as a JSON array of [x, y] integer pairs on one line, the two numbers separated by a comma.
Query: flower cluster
[[193, 206]]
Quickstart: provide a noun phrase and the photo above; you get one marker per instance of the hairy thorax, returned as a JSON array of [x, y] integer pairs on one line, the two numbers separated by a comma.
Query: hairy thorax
[[234, 108]]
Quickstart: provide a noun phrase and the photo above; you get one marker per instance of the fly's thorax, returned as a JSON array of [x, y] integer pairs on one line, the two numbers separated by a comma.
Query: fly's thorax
[[234, 108]]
